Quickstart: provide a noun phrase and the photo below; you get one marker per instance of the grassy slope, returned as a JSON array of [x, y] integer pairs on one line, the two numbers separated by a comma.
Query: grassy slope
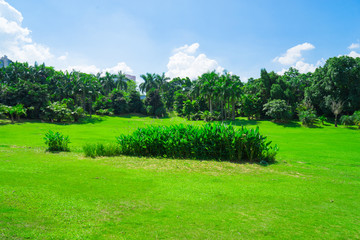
[[311, 193]]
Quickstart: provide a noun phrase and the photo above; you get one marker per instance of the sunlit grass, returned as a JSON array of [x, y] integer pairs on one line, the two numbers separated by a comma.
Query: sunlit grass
[[312, 192]]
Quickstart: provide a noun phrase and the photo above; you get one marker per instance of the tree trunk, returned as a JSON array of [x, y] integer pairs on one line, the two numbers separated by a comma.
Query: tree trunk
[[83, 101], [233, 110], [210, 105], [222, 110], [12, 118], [336, 120], [90, 108]]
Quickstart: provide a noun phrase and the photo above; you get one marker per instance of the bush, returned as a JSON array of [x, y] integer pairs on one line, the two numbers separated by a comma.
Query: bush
[[351, 120], [307, 117], [196, 116], [208, 116], [56, 141], [347, 120], [99, 149], [278, 110], [107, 112], [210, 141]]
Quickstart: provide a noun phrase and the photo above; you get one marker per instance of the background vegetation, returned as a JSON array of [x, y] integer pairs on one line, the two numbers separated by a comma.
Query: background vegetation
[[42, 92]]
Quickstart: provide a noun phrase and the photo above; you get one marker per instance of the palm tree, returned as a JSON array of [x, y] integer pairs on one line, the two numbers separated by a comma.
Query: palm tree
[[207, 88], [235, 93], [121, 81], [149, 82], [161, 81], [108, 82]]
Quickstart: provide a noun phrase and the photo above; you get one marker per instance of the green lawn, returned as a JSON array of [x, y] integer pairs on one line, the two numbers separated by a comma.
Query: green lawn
[[312, 192]]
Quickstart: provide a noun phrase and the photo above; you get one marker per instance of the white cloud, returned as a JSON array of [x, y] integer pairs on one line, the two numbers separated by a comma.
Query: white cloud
[[188, 49], [63, 57], [354, 46], [354, 54], [92, 69], [15, 40], [293, 57], [185, 63], [294, 54], [121, 66]]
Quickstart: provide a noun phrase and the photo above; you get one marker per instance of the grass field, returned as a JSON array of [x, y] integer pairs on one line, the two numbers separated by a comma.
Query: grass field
[[312, 192]]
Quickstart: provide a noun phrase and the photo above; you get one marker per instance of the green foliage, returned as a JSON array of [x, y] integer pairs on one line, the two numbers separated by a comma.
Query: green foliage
[[119, 103], [209, 117], [12, 111], [108, 112], [135, 103], [59, 112], [78, 113], [210, 141], [307, 114], [251, 106], [322, 119], [180, 98], [351, 120], [100, 149], [307, 117], [278, 110], [196, 116], [154, 104], [188, 108], [56, 141], [347, 120]]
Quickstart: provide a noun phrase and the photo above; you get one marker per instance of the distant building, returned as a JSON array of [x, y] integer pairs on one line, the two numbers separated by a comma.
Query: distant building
[[4, 61], [131, 77]]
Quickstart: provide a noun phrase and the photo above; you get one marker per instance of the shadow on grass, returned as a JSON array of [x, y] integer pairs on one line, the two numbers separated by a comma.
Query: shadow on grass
[[242, 122], [289, 124], [131, 115]]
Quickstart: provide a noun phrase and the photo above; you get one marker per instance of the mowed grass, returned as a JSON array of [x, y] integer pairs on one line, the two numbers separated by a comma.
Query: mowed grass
[[312, 192]]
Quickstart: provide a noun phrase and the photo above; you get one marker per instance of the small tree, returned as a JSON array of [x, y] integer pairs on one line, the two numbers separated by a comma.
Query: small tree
[[306, 113], [278, 110], [19, 111], [336, 108], [322, 119], [188, 108], [351, 120]]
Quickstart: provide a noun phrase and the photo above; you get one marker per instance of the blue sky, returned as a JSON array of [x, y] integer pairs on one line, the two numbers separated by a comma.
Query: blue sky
[[179, 37]]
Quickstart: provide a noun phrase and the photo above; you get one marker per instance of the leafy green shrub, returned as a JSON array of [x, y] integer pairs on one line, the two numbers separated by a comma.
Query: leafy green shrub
[[347, 120], [351, 120], [102, 112], [56, 141], [307, 117], [99, 149], [208, 116], [210, 141], [196, 116], [322, 119], [188, 108], [12, 111], [278, 110]]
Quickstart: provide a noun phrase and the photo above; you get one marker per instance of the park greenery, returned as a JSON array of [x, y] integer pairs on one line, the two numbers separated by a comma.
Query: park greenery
[[69, 196], [207, 142], [145, 183], [41, 92]]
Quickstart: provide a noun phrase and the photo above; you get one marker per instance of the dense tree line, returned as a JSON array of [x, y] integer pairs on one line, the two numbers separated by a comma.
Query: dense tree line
[[38, 91]]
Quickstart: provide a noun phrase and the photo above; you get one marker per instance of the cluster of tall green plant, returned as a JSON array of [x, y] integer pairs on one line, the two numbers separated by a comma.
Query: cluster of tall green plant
[[56, 141], [350, 120], [210, 141], [101, 150], [13, 111]]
